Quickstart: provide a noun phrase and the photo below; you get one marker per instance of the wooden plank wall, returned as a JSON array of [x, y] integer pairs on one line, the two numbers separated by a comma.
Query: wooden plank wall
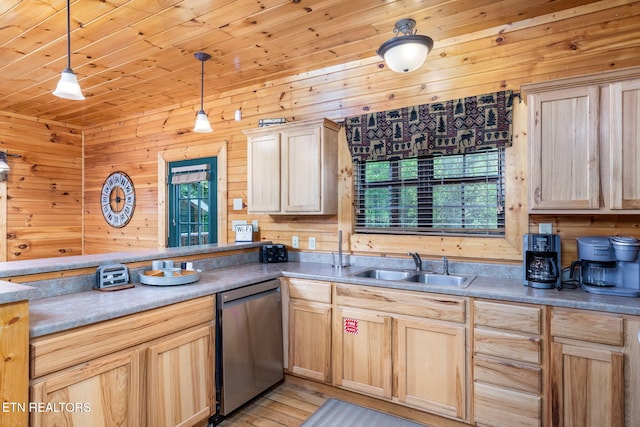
[[562, 45], [570, 227], [584, 40], [43, 191]]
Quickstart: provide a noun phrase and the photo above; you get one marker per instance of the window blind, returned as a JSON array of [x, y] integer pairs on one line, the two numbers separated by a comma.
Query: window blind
[[454, 194], [189, 174]]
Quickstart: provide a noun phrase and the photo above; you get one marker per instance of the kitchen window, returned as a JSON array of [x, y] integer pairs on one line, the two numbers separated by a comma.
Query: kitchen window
[[460, 194]]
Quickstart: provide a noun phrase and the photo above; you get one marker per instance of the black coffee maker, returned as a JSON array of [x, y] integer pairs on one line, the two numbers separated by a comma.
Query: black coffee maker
[[542, 268]]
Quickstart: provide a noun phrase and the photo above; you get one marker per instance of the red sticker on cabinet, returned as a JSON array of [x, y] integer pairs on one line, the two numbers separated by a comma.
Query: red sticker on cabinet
[[351, 326]]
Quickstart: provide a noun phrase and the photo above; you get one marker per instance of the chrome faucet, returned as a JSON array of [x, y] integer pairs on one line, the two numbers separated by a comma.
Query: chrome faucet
[[339, 263], [416, 259], [445, 266]]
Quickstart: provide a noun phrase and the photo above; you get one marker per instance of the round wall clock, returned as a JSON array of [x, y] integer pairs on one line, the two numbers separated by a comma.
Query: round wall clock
[[118, 199]]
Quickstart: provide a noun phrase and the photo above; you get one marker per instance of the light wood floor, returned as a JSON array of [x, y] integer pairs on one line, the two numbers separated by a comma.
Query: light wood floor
[[292, 402], [287, 405]]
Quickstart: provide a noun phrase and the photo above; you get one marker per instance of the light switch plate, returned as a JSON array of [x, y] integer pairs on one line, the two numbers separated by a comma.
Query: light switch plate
[[237, 204], [312, 243]]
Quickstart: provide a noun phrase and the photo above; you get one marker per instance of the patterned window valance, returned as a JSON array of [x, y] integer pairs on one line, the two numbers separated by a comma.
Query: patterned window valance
[[451, 127]]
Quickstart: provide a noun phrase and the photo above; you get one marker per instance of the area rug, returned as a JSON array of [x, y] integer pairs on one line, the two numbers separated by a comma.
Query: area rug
[[336, 413]]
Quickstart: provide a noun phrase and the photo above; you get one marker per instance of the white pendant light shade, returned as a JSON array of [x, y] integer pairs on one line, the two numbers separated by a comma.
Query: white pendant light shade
[[407, 52], [202, 123], [68, 87]]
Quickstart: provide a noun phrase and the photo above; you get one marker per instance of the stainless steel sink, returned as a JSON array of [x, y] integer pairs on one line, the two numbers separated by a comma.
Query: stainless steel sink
[[419, 277], [382, 274], [441, 279]]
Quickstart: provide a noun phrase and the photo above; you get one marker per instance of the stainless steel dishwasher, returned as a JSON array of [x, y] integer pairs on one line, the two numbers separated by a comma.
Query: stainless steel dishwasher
[[249, 343]]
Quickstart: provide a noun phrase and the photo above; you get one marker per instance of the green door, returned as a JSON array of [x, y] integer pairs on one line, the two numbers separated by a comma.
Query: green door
[[193, 206]]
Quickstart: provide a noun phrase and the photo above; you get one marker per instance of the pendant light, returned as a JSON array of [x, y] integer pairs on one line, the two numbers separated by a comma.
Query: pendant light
[[202, 121], [68, 86], [407, 51], [4, 166]]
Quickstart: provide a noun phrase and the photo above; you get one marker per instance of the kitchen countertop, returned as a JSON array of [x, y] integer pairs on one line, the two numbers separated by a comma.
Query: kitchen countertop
[[12, 292], [49, 315]]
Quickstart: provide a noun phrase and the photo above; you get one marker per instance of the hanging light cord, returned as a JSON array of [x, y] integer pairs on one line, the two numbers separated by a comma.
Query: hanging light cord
[[202, 87], [68, 34]]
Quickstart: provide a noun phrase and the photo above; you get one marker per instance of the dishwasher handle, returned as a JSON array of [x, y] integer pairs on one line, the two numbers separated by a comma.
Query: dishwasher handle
[[246, 291]]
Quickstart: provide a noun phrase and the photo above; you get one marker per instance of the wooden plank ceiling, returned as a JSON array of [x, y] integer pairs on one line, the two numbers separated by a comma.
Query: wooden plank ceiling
[[135, 56]]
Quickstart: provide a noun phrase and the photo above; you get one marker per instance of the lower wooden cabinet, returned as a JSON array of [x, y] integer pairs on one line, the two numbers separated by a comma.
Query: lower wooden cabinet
[[147, 369], [307, 319], [528, 364], [100, 392], [588, 386], [405, 346], [362, 352], [179, 373], [509, 351], [588, 369], [310, 340], [430, 363], [14, 363], [500, 406]]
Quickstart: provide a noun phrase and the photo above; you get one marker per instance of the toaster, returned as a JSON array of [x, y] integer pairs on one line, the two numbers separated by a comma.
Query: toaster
[[273, 253], [112, 277]]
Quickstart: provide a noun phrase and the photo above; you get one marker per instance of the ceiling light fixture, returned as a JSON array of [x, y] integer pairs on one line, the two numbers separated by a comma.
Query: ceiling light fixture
[[202, 121], [407, 51], [68, 87], [4, 166]]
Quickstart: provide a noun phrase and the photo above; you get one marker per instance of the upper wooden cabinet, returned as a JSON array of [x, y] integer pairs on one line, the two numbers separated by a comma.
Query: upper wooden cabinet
[[563, 151], [583, 139], [292, 169], [624, 144]]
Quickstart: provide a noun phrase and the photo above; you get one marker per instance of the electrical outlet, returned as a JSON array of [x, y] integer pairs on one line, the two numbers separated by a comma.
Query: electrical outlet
[[312, 243], [295, 242], [545, 228]]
